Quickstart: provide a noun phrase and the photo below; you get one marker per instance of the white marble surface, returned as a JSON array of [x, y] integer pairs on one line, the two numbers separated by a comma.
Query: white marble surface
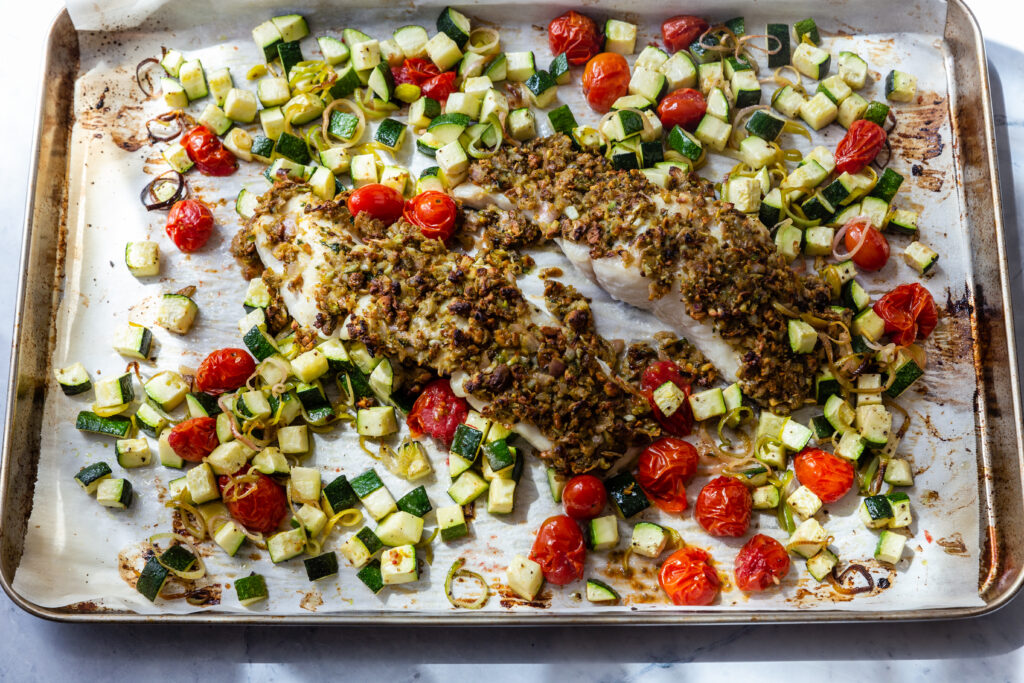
[[989, 649]]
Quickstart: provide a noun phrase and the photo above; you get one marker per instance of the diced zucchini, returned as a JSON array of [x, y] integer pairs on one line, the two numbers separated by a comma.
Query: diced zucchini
[[90, 476], [626, 495], [400, 528], [902, 517], [808, 539], [707, 404], [452, 522], [600, 592], [398, 565], [819, 111], [766, 497], [875, 512], [802, 337], [822, 564], [713, 132], [804, 502], [619, 36], [142, 258], [602, 533], [193, 80], [811, 61], [443, 51], [412, 40], [788, 101], [890, 547], [114, 493], [524, 577], [679, 71], [899, 86], [920, 257]]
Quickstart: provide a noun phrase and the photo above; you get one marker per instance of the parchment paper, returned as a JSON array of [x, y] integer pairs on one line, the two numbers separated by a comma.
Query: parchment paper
[[72, 550]]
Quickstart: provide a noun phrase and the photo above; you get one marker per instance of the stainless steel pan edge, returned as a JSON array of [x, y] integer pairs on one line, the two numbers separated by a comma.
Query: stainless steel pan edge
[[998, 400]]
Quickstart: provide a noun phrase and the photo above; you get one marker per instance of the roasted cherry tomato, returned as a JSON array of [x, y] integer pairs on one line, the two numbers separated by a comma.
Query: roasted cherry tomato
[[761, 563], [194, 439], [261, 511], [575, 35], [415, 71], [680, 422], [189, 225], [605, 79], [380, 201], [828, 476], [723, 507], [688, 577], [584, 497], [684, 107], [439, 87], [873, 254], [680, 32], [859, 147], [909, 313], [208, 153], [434, 212], [664, 470], [559, 550], [437, 412], [224, 370]]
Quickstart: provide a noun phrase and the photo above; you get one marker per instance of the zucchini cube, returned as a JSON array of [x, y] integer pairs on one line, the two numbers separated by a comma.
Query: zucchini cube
[[451, 520], [398, 565], [524, 577]]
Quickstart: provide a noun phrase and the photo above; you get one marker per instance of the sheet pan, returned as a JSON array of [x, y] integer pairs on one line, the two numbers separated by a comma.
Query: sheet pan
[[982, 330]]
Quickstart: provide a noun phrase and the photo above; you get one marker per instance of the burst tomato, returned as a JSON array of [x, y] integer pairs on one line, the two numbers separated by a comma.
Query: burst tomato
[[437, 412], [723, 507], [261, 511], [575, 35], [828, 476], [605, 79], [189, 225], [909, 313], [873, 254], [208, 153], [380, 201], [439, 87], [680, 422], [415, 71], [194, 439], [224, 370], [688, 578], [680, 32], [559, 550], [584, 497], [761, 563], [663, 471], [684, 108], [434, 213], [859, 147]]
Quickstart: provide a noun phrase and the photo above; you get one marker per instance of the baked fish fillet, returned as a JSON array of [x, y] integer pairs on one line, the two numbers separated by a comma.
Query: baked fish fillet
[[459, 314], [707, 271]]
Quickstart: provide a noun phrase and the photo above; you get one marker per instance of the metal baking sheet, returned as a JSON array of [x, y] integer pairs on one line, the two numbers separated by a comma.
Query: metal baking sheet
[[982, 328]]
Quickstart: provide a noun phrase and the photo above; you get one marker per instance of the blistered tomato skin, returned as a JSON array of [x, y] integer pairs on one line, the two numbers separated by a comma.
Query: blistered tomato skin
[[684, 108], [194, 439], [559, 550], [679, 423], [261, 511], [224, 370], [208, 153], [723, 507], [189, 225], [584, 497], [605, 79], [828, 476], [434, 213], [873, 252], [909, 313], [680, 32], [688, 578], [380, 201], [575, 35], [663, 471], [437, 412], [760, 564], [859, 147]]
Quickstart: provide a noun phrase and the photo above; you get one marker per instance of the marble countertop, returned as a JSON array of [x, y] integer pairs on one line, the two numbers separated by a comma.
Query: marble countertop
[[990, 648]]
